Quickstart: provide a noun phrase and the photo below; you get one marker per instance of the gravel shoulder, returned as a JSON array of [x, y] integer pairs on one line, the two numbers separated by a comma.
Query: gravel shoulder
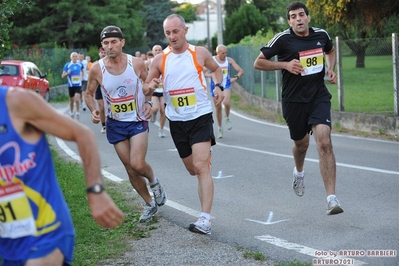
[[171, 244]]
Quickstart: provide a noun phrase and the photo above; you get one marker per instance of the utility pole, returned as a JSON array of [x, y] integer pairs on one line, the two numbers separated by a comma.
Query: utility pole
[[220, 19], [208, 42]]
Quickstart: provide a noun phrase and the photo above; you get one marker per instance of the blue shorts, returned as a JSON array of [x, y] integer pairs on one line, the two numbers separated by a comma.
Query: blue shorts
[[213, 87], [118, 131], [65, 244]]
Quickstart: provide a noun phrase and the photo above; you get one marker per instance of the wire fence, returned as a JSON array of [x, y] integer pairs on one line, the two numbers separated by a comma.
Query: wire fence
[[366, 77]]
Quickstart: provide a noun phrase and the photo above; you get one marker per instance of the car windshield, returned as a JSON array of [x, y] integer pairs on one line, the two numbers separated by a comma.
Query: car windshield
[[9, 70]]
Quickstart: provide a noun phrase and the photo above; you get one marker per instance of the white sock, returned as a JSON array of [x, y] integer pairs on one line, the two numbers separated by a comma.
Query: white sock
[[77, 113], [152, 203], [155, 181], [299, 174], [331, 197], [206, 215]]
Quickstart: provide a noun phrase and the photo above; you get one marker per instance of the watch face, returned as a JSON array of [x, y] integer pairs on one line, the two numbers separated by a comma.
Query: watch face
[[97, 188]]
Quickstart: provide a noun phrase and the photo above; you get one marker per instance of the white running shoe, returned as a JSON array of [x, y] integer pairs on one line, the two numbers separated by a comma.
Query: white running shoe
[[220, 133], [148, 213], [298, 185], [334, 207], [161, 133], [201, 226], [103, 129], [228, 124], [159, 194]]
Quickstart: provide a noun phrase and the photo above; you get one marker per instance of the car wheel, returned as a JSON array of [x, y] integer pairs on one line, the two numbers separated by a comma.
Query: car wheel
[[47, 96]]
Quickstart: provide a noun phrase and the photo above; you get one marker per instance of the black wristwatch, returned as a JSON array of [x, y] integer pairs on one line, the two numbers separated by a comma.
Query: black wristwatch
[[220, 86], [149, 102], [97, 188]]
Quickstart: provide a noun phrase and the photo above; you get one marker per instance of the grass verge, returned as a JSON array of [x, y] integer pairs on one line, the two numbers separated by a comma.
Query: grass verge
[[93, 243]]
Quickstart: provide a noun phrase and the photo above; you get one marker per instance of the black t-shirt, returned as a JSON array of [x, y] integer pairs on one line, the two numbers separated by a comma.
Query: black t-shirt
[[310, 51]]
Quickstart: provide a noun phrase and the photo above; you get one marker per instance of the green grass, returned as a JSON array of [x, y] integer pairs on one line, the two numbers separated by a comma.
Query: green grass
[[366, 90], [94, 243]]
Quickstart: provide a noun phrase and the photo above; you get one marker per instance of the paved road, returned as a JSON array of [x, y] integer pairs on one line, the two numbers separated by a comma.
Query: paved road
[[255, 207]]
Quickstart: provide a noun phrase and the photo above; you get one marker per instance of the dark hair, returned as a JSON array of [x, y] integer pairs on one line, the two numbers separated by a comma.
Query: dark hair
[[295, 6]]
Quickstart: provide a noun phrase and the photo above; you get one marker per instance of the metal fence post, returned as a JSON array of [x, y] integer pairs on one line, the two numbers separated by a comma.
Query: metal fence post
[[395, 73], [341, 103]]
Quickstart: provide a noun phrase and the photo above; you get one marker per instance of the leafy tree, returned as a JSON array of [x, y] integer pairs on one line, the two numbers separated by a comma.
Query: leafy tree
[[247, 20], [273, 10], [231, 6], [61, 22], [9, 9], [187, 11], [155, 12], [356, 20]]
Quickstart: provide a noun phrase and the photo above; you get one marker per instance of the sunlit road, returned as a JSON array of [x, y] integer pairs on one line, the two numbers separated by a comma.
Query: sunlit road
[[255, 207]]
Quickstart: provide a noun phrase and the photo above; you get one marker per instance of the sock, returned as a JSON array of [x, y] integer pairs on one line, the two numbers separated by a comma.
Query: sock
[[299, 174], [155, 181], [152, 203], [330, 197], [206, 215], [77, 113], [103, 124]]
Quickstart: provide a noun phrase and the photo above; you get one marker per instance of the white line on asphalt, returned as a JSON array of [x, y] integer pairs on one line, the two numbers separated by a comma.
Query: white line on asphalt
[[299, 248], [311, 160], [284, 126]]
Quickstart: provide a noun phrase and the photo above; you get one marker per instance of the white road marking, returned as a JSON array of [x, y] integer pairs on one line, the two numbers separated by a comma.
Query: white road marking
[[312, 160], [221, 176], [269, 220], [299, 248]]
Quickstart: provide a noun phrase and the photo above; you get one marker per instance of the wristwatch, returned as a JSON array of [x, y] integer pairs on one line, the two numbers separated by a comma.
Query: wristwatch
[[97, 188], [149, 102], [237, 76], [220, 86]]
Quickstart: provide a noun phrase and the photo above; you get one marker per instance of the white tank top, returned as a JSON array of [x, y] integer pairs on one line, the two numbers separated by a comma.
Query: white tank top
[[225, 66], [184, 85], [123, 94]]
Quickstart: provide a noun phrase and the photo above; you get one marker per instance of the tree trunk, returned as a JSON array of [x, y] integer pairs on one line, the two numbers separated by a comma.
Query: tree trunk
[[359, 48]]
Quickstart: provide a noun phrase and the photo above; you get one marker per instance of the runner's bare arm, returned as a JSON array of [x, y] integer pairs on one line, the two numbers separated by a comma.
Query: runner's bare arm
[[38, 117], [152, 80]]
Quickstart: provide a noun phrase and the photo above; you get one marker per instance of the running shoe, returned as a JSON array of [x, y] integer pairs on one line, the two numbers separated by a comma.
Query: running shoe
[[201, 226], [153, 118], [103, 130], [84, 107], [298, 185], [148, 213], [161, 133], [220, 134], [159, 194], [228, 124], [77, 116], [334, 207]]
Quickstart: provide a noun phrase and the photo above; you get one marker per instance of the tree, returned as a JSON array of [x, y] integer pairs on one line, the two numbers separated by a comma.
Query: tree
[[187, 11], [247, 20], [75, 25], [9, 9], [355, 20], [155, 12]]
